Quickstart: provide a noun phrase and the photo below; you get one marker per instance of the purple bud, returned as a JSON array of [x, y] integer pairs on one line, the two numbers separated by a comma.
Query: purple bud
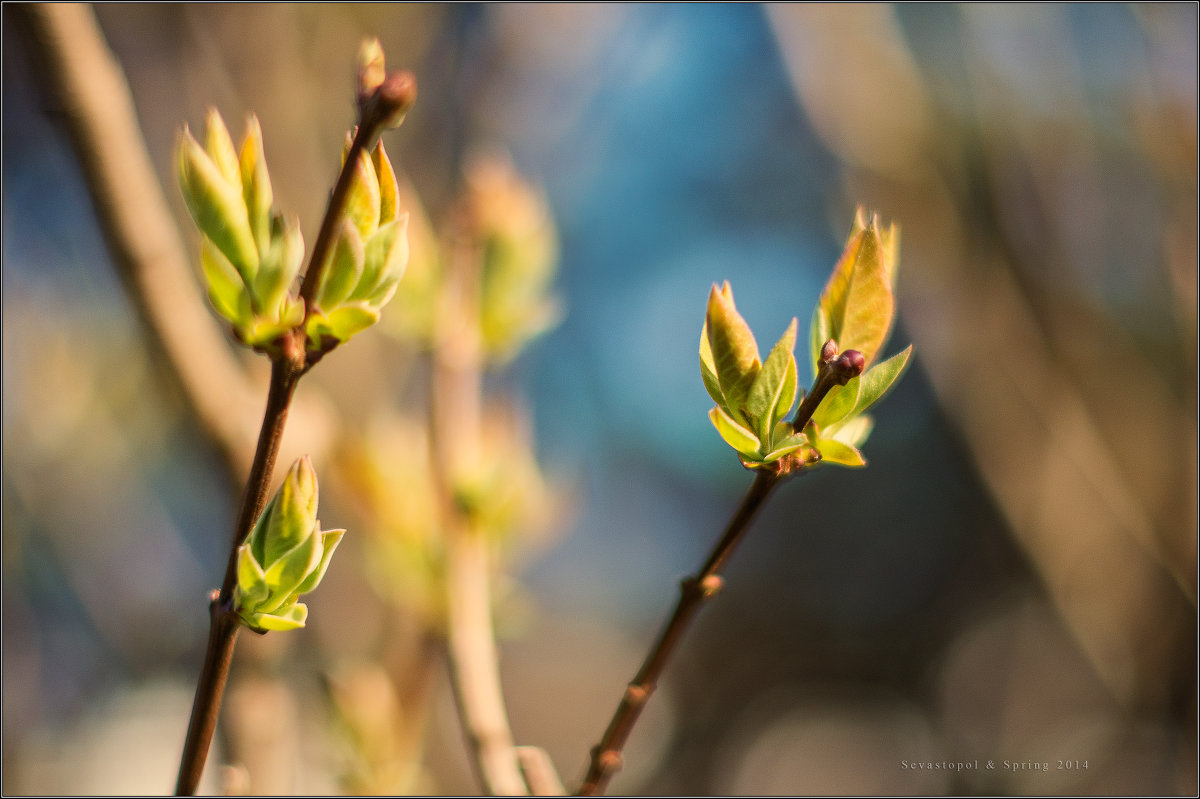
[[850, 364], [829, 351]]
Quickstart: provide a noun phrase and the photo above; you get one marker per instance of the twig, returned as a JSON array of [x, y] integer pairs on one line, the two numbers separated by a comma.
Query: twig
[[694, 591], [210, 687], [90, 89], [455, 418]]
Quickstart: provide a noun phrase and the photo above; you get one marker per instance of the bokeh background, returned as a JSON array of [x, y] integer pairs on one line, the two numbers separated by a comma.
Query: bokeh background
[[1011, 582]]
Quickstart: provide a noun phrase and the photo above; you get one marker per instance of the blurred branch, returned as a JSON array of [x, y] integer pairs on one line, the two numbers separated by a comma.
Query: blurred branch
[[1116, 560], [82, 74], [455, 418]]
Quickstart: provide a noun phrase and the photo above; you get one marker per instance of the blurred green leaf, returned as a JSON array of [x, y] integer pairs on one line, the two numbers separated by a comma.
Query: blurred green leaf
[[834, 451]]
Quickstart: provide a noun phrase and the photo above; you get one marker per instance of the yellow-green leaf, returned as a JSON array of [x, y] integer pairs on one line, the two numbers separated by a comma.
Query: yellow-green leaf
[[734, 350], [736, 436], [767, 391], [858, 298], [256, 184], [834, 451]]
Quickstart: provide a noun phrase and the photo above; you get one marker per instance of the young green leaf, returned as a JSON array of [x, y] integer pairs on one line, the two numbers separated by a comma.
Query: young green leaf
[[216, 206], [289, 617], [224, 284], [858, 299], [734, 350], [838, 403], [854, 431], [834, 451], [256, 184], [878, 379], [708, 372], [818, 334], [329, 541], [345, 267], [363, 202], [736, 436], [767, 391]]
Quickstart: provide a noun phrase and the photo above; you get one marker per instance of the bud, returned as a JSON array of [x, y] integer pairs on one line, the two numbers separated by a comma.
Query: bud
[[829, 351], [849, 365], [249, 253], [285, 555], [370, 70], [383, 99], [367, 259]]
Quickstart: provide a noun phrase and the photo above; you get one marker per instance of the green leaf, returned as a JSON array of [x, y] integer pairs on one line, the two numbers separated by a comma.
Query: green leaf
[[708, 372], [219, 146], [256, 185], [344, 269], [291, 513], [222, 281], [734, 350], [389, 190], [286, 574], [834, 451], [340, 323], [818, 334], [362, 202], [279, 266], [386, 256], [786, 446], [290, 617], [767, 391], [329, 541], [787, 395], [858, 298], [879, 379], [855, 431], [217, 207], [734, 434], [838, 403], [251, 582]]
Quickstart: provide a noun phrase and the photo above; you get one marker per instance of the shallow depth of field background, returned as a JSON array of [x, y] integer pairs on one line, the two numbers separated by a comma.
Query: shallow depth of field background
[[1012, 580]]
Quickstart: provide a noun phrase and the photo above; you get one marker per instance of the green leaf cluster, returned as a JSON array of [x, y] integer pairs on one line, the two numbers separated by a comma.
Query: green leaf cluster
[[368, 255], [250, 255], [856, 312], [753, 396], [285, 555], [505, 223]]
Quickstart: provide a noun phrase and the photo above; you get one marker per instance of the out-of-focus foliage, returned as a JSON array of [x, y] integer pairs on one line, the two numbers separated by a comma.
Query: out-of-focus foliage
[[1039, 605]]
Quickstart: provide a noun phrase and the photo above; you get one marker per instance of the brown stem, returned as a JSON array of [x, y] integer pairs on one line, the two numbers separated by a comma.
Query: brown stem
[[87, 84], [333, 213], [694, 590], [223, 629]]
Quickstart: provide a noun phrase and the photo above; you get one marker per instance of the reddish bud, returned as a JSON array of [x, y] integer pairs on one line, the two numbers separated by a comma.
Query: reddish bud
[[829, 351], [849, 364]]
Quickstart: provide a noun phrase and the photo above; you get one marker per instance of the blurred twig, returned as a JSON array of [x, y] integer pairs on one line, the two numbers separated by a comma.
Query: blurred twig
[[90, 90], [455, 418]]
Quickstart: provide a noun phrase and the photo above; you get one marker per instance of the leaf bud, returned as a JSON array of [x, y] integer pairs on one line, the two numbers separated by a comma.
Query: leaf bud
[[829, 351], [850, 364]]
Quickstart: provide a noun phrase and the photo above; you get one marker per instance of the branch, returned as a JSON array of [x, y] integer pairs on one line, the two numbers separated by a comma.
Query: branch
[[210, 687], [455, 417], [694, 591], [90, 89]]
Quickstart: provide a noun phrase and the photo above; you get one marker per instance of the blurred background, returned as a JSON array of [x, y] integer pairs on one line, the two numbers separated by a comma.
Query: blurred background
[[1011, 582]]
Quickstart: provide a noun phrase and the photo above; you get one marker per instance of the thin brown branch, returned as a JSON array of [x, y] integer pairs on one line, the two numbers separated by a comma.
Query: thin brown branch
[[89, 88], [210, 687], [606, 756], [694, 591]]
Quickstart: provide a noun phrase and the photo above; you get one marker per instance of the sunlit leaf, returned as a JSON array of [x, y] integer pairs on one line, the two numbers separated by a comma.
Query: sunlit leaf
[[256, 184], [223, 282], [734, 350], [344, 268], [291, 617], [329, 541], [736, 436], [877, 380], [251, 582], [834, 451], [766, 393]]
